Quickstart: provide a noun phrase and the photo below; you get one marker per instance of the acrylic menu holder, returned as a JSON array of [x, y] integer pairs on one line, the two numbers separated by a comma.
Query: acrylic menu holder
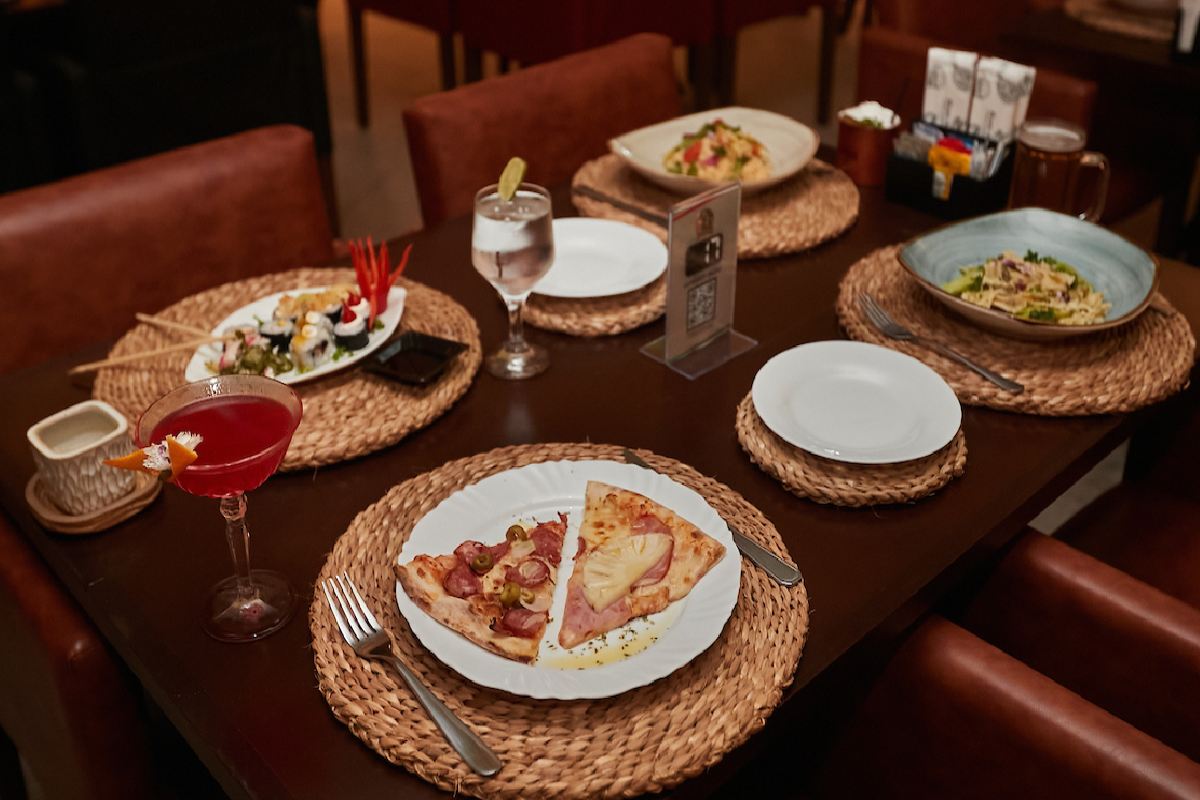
[[701, 279]]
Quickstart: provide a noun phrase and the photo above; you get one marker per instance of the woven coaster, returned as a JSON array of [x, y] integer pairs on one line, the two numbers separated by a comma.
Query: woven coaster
[[1102, 15], [813, 207], [841, 484], [644, 740], [598, 316], [145, 489], [1113, 371], [350, 413]]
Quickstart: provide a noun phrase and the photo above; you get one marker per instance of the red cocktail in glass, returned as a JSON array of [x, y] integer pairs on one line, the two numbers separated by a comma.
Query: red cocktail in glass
[[247, 422]]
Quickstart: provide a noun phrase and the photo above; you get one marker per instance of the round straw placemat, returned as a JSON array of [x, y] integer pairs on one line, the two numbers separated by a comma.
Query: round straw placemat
[[802, 212], [842, 484], [346, 415], [644, 740], [1113, 371], [598, 316], [1103, 15]]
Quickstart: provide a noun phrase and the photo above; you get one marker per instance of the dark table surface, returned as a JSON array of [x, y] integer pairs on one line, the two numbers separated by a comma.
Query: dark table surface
[[253, 713]]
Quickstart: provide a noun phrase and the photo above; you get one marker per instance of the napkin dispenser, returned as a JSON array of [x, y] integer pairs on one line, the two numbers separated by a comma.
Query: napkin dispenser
[[957, 160]]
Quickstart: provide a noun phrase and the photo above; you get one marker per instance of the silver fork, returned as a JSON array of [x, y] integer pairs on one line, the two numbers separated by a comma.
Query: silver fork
[[366, 636], [894, 330]]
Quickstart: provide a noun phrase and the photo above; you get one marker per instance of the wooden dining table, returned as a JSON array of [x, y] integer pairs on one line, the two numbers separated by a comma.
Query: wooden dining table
[[253, 713]]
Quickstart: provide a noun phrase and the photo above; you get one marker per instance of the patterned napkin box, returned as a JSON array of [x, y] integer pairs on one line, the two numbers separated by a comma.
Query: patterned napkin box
[[1000, 98], [949, 84]]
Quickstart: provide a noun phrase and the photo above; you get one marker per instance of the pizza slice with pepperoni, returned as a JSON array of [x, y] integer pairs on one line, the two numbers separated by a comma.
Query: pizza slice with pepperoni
[[635, 558], [497, 597]]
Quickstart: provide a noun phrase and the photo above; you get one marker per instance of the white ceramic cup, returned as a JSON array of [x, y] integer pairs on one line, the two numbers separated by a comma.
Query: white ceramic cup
[[69, 448]]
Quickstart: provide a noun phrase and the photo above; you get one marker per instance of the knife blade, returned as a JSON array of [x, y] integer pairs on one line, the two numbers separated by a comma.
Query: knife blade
[[629, 208], [770, 563]]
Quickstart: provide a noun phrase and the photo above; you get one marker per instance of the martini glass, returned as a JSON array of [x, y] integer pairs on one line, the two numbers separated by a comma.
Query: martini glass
[[512, 246], [247, 422]]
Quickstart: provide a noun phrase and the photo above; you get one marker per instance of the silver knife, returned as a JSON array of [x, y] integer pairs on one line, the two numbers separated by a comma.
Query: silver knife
[[772, 564], [642, 213]]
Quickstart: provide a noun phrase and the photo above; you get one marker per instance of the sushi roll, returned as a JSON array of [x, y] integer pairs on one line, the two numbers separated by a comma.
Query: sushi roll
[[320, 320], [279, 332], [352, 334], [311, 348]]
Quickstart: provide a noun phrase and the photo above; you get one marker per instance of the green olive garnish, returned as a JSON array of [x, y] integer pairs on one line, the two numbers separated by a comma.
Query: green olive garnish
[[481, 563], [526, 595], [516, 532], [510, 595]]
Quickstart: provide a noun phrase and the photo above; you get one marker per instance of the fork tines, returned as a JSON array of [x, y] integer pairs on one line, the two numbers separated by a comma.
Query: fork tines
[[354, 617]]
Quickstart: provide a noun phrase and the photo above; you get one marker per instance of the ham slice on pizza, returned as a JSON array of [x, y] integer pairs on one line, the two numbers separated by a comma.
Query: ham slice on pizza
[[498, 597], [635, 558]]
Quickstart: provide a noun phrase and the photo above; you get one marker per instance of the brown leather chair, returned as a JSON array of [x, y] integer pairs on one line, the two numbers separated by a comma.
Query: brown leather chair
[[891, 69], [71, 709], [556, 115], [953, 716], [973, 25], [437, 15], [1117, 642], [82, 255]]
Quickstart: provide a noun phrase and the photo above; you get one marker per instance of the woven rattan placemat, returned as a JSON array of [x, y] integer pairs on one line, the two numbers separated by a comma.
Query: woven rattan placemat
[[350, 413], [1118, 370], [598, 316], [1105, 16], [842, 484], [644, 740], [813, 207]]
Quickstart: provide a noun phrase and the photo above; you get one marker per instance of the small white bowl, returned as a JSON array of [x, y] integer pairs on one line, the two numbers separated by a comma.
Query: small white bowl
[[69, 448]]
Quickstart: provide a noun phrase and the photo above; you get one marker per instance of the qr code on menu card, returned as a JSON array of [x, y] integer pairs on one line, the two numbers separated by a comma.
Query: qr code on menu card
[[701, 303]]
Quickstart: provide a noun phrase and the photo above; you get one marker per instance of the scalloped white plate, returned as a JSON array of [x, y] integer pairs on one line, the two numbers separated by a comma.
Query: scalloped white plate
[[670, 639], [262, 309]]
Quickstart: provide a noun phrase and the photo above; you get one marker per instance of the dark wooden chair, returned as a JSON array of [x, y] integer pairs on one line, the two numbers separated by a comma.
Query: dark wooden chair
[[438, 16], [557, 115]]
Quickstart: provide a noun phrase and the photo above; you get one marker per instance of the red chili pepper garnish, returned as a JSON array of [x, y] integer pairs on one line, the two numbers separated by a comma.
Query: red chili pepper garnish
[[374, 280]]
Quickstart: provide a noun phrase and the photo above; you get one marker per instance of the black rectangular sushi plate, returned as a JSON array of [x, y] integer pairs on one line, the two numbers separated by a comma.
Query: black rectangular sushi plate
[[414, 358]]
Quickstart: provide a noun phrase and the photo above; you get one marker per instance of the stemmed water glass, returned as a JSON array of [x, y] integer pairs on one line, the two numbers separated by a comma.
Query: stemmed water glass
[[512, 246], [246, 422]]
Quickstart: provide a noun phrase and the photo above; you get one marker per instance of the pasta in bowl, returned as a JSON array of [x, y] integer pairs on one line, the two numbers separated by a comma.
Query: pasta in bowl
[[1033, 288], [719, 152]]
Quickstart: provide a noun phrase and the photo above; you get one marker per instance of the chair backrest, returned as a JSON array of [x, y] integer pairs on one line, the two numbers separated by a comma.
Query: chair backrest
[[81, 256], [974, 24], [66, 703], [891, 69], [556, 116]]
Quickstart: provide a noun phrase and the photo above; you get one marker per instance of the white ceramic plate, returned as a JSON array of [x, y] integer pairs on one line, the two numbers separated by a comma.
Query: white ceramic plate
[[856, 402], [601, 258], [484, 510], [264, 307], [790, 146]]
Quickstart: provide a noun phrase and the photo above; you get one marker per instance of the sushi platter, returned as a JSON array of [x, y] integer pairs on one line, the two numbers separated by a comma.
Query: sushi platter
[[285, 337]]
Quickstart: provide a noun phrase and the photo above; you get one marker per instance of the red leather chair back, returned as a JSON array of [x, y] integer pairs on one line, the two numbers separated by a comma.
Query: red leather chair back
[[67, 704], [555, 115], [1115, 641], [953, 716], [891, 69], [81, 256]]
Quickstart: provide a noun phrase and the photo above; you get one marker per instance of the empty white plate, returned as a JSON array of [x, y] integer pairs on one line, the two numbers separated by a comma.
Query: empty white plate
[[856, 402], [601, 257]]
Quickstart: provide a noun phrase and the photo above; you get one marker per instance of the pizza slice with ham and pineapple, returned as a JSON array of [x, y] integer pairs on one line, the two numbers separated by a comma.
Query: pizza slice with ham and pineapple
[[497, 597], [635, 558]]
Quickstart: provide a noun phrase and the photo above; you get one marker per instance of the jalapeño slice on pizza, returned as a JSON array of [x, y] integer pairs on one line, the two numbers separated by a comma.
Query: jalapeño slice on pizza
[[499, 596], [635, 558]]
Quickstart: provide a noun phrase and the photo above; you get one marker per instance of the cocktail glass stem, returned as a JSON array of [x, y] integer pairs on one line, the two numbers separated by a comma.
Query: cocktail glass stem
[[233, 508]]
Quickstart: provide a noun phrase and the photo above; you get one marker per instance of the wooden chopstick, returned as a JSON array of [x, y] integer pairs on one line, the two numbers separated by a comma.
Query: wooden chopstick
[[125, 359], [167, 324]]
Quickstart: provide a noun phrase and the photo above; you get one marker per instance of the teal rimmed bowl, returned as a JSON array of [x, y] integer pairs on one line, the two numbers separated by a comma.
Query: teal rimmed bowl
[[1126, 274]]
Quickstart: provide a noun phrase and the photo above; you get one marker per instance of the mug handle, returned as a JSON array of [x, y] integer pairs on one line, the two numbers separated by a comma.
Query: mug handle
[[1096, 161]]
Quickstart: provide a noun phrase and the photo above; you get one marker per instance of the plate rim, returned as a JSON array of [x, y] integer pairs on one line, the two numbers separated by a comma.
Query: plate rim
[[1001, 320], [354, 358], [580, 690], [682, 184], [855, 344], [640, 232]]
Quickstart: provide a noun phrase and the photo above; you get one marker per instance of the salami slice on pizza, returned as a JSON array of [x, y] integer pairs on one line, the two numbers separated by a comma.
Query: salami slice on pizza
[[635, 558], [497, 597]]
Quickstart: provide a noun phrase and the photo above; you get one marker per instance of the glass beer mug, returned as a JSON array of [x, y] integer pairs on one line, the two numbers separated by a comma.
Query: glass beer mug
[[1049, 160]]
